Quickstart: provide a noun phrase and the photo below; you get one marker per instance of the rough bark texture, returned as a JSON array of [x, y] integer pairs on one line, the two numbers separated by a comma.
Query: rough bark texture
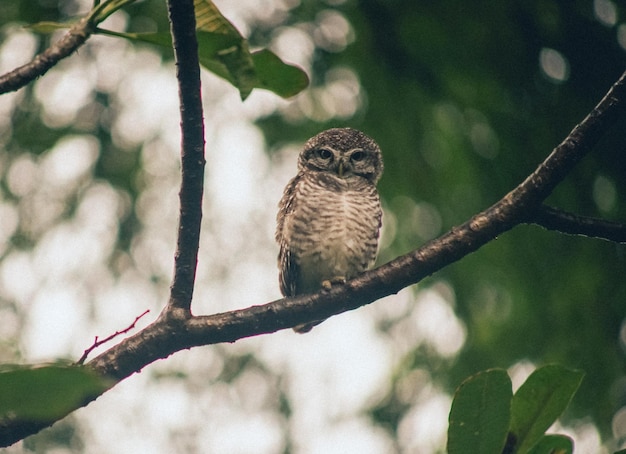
[[183, 24]]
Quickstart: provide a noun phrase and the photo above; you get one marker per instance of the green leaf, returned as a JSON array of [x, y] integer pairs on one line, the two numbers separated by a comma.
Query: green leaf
[[553, 444], [277, 76], [238, 62], [235, 58], [229, 57], [540, 401], [210, 19], [480, 414], [49, 392], [223, 51]]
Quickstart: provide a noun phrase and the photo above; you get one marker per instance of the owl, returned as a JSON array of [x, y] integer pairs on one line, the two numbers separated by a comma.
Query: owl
[[329, 217]]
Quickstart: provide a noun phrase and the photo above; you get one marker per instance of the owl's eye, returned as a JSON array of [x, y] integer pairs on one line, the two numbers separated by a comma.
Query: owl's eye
[[324, 153], [357, 156]]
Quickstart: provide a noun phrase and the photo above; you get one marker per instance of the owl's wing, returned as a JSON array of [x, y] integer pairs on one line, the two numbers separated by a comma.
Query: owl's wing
[[288, 274], [288, 268]]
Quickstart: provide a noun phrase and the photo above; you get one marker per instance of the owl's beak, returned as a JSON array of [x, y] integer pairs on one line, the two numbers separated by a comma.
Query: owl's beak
[[340, 169]]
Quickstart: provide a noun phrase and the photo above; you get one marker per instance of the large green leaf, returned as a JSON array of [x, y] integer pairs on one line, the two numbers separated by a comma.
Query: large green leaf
[[540, 401], [234, 58], [479, 418], [47, 392], [210, 19], [275, 75], [553, 444]]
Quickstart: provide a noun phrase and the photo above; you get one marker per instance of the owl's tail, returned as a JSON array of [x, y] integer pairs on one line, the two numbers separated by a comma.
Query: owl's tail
[[305, 327]]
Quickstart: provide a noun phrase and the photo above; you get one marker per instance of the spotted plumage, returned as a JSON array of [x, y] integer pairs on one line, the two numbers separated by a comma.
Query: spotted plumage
[[329, 217]]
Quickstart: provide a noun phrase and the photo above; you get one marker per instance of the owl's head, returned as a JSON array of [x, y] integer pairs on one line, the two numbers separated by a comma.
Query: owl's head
[[346, 152]]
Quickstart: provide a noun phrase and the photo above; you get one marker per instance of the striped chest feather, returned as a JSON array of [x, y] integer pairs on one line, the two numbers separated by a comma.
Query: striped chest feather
[[333, 229]]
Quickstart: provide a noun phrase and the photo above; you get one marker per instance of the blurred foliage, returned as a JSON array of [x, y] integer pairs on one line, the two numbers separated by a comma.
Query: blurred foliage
[[480, 414], [487, 418], [46, 392], [465, 99], [538, 403]]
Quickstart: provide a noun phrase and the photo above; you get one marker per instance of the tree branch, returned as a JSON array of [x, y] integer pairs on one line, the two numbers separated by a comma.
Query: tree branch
[[573, 224], [72, 40], [183, 30]]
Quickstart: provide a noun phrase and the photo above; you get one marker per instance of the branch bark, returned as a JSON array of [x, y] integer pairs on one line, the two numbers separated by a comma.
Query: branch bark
[[183, 27]]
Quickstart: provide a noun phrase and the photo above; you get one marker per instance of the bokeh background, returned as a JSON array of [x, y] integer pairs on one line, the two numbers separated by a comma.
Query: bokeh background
[[464, 98]]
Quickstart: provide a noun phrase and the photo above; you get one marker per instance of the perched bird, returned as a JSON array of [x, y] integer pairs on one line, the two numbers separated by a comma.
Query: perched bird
[[329, 216]]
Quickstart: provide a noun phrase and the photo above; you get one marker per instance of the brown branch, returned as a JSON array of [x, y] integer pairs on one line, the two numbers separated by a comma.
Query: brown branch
[[97, 343], [183, 25], [72, 40], [573, 224]]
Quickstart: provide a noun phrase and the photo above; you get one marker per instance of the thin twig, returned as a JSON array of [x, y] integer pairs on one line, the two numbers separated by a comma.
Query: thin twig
[[97, 343], [183, 25], [573, 224]]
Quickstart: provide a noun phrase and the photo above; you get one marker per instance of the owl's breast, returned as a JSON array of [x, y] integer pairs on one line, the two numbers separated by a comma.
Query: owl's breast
[[334, 229]]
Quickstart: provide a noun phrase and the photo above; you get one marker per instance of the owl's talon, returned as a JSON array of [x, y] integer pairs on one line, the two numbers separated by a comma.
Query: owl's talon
[[328, 283]]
